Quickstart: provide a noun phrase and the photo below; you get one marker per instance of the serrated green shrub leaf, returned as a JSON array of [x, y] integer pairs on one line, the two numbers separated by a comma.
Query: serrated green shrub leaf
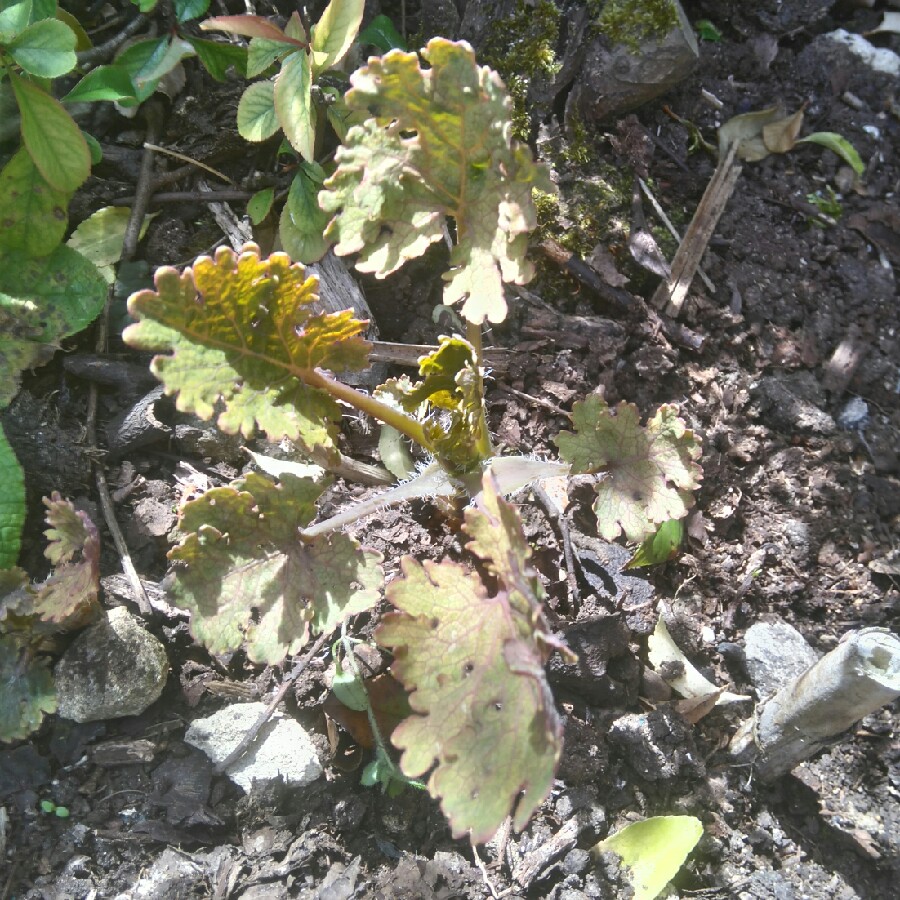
[[256, 117], [649, 472], [52, 138], [260, 205], [242, 331], [185, 10], [484, 722], [42, 300], [439, 145], [12, 504], [218, 57], [103, 83], [33, 215], [294, 106], [45, 48], [242, 554], [14, 17], [302, 224], [28, 691], [264, 53], [335, 31], [101, 236], [382, 33]]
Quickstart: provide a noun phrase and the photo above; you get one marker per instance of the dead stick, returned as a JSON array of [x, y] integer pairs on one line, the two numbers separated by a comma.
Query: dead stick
[[671, 293], [264, 717]]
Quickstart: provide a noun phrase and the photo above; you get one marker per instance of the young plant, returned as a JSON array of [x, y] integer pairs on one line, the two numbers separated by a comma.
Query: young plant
[[307, 89], [239, 337]]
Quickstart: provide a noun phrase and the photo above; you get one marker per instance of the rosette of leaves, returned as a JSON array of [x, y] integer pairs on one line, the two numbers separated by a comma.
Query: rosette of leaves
[[32, 613], [471, 652], [302, 94], [437, 146], [649, 473]]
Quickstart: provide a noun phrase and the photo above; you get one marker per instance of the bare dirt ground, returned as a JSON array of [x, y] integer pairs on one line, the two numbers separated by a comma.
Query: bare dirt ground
[[796, 521]]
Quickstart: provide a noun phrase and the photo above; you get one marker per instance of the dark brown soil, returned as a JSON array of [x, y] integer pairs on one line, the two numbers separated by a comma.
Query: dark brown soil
[[794, 521]]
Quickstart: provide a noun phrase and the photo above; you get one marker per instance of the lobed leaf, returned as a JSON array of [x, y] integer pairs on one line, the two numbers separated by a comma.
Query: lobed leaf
[[483, 720], [242, 331], [649, 472], [28, 691], [439, 145], [243, 553]]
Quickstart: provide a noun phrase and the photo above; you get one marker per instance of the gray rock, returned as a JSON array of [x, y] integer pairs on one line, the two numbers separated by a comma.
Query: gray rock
[[792, 403], [775, 653], [113, 669], [618, 77], [282, 748], [659, 745]]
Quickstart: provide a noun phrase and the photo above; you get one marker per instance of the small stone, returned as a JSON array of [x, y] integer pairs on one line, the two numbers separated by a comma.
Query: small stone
[[282, 748], [792, 403], [775, 653], [113, 669]]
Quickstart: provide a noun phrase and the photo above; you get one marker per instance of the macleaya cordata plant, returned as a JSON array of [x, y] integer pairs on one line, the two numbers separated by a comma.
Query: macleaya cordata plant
[[239, 337]]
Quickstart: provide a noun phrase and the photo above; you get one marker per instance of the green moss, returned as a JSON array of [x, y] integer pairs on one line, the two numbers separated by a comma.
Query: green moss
[[520, 48], [632, 22]]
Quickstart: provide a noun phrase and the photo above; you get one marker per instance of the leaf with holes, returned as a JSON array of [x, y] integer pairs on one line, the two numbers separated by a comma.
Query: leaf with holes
[[483, 720], [42, 300], [243, 554], [439, 145], [33, 214], [244, 332], [649, 472]]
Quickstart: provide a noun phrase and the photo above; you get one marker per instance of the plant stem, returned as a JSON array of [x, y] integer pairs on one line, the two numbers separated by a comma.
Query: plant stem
[[473, 336], [364, 403]]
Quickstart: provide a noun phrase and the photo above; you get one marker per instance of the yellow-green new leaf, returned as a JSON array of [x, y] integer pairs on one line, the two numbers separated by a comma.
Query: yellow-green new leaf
[[294, 105], [335, 32], [256, 117], [654, 850], [439, 146]]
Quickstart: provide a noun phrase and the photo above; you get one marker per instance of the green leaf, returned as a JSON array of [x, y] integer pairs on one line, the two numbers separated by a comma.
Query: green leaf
[[42, 301], [484, 722], [12, 504], [51, 136], [28, 692], [381, 33], [175, 50], [349, 689], [45, 49], [103, 83], [439, 145], [335, 31], [649, 472], [94, 147], [660, 547], [218, 57], [242, 554], [242, 331], [14, 18], [185, 10], [294, 106], [33, 215], [302, 224], [706, 31], [82, 41], [837, 144], [101, 236], [654, 850], [263, 53], [256, 116], [260, 205]]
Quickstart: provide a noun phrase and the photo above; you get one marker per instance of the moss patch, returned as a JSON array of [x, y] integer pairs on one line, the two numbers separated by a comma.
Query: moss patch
[[633, 22]]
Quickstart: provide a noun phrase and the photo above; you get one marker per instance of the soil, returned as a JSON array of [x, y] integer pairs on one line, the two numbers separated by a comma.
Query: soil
[[796, 521]]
